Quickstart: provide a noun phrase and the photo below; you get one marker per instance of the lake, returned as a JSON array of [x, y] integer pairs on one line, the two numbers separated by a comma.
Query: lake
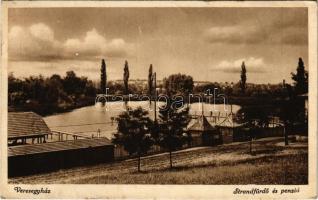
[[88, 120]]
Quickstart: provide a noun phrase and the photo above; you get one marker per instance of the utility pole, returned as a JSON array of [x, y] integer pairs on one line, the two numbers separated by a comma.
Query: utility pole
[[285, 121], [202, 108], [155, 87]]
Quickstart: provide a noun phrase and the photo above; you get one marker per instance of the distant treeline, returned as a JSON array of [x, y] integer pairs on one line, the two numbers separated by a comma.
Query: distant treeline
[[47, 95]]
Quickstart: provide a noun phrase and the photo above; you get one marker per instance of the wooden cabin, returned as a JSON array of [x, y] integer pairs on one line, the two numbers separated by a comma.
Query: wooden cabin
[[235, 132], [230, 131], [26, 127], [52, 156], [203, 133]]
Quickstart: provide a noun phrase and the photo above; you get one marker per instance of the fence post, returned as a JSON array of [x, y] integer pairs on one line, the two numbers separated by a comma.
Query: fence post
[[286, 136]]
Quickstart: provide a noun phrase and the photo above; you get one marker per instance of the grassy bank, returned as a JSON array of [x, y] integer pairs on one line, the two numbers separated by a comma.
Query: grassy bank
[[280, 170], [271, 163]]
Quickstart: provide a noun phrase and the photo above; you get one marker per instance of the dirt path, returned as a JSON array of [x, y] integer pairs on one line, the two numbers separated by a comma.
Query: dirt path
[[203, 156]]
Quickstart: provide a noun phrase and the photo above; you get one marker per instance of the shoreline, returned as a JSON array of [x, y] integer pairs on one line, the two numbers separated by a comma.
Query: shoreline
[[48, 110]]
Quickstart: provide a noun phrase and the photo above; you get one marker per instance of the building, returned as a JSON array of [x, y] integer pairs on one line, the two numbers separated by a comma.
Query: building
[[304, 98], [230, 131], [26, 127], [203, 133], [51, 156]]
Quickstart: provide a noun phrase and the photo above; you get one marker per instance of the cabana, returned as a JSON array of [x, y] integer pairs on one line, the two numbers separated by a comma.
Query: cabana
[[203, 133], [26, 127]]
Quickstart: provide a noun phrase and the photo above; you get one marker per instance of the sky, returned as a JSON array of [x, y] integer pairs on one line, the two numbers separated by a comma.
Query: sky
[[209, 44]]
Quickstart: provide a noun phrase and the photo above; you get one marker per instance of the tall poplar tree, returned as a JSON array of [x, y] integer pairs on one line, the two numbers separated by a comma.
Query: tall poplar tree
[[126, 78], [300, 78], [150, 82], [243, 78], [103, 77]]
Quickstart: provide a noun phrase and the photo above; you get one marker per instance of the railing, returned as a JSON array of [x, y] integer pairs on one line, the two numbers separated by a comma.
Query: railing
[[64, 135]]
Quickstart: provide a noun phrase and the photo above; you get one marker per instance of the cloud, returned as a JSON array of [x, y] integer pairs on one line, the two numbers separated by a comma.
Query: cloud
[[291, 36], [292, 17], [91, 45], [37, 43], [42, 32], [253, 65], [234, 34], [289, 30], [294, 39], [117, 47]]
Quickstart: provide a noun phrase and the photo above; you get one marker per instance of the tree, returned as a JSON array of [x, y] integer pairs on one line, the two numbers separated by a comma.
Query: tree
[[300, 78], [178, 84], [90, 89], [255, 118], [290, 110], [51, 93], [70, 83], [103, 78], [243, 78], [172, 125], [16, 94], [204, 88], [56, 78], [150, 82], [116, 88], [126, 78], [134, 135], [255, 115], [57, 81]]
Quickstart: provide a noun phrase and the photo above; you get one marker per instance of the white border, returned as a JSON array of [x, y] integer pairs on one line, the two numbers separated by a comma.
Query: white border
[[164, 191]]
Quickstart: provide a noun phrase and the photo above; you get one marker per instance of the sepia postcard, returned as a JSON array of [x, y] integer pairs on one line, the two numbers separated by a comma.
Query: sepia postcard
[[158, 100]]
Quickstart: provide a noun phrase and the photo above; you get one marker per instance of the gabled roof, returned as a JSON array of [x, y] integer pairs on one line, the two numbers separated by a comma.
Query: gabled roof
[[227, 122], [201, 124], [26, 124], [57, 146]]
